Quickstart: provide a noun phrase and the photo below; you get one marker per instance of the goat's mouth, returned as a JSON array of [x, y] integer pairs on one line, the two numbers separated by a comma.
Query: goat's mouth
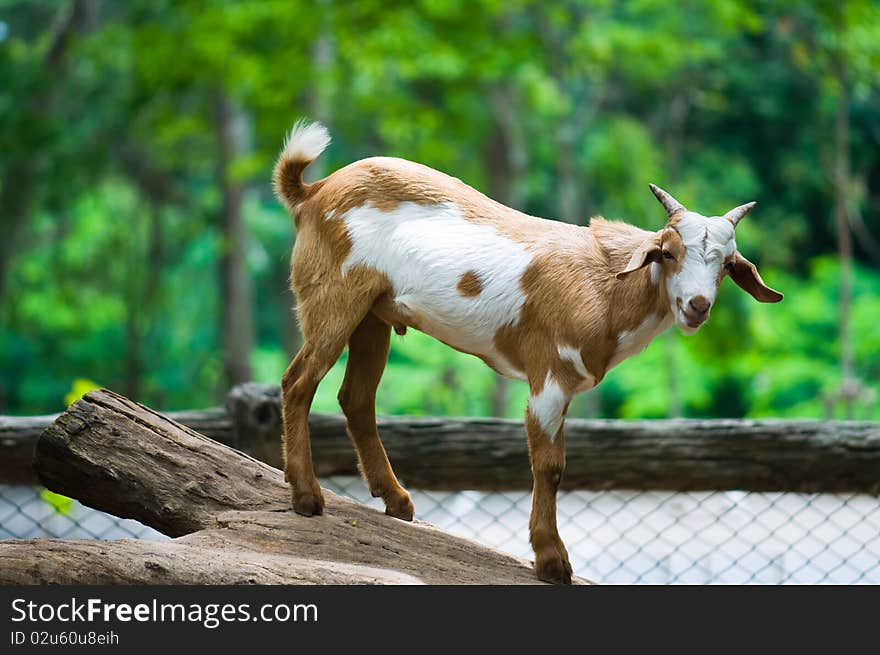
[[689, 322], [688, 327], [694, 322]]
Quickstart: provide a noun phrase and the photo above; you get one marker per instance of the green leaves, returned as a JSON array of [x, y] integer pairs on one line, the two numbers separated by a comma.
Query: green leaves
[[81, 386], [61, 504]]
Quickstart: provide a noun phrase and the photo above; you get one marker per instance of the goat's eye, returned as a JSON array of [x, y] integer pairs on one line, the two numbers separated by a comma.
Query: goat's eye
[[668, 255]]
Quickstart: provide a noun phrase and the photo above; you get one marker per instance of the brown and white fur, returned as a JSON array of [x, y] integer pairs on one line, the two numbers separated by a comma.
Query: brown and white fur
[[385, 243]]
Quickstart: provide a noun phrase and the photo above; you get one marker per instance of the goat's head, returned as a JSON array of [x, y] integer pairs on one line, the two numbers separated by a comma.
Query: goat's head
[[689, 258]]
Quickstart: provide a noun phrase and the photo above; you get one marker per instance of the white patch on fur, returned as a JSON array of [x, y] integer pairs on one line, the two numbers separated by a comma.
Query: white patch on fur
[[424, 250], [708, 241], [633, 342], [573, 355], [330, 215], [655, 273], [548, 406], [305, 142]]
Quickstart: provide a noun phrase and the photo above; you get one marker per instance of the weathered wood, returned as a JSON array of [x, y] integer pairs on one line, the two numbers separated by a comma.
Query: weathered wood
[[229, 512], [123, 458], [490, 454], [132, 561], [19, 435], [677, 455]]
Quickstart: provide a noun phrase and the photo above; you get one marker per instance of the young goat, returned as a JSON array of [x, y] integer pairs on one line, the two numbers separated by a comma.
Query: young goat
[[386, 243]]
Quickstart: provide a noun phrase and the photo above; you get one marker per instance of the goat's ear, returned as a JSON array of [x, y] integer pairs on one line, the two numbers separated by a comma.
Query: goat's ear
[[646, 253], [746, 275]]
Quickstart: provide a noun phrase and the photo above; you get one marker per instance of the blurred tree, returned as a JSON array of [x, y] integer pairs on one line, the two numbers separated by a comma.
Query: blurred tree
[[29, 132], [235, 287]]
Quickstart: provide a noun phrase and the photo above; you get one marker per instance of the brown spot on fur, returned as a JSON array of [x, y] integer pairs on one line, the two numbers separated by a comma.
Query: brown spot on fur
[[470, 285]]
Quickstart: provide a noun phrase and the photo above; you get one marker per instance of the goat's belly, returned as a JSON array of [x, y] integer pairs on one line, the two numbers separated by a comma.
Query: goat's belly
[[470, 329], [458, 281]]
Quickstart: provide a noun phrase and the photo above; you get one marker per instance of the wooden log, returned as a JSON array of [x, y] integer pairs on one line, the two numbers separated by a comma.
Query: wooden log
[[125, 459], [490, 454], [230, 515], [19, 435], [132, 561]]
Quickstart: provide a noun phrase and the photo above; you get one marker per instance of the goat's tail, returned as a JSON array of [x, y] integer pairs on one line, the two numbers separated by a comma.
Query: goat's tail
[[302, 146]]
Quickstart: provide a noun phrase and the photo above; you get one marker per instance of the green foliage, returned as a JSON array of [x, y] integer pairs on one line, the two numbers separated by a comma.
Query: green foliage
[[111, 194], [61, 504], [80, 388]]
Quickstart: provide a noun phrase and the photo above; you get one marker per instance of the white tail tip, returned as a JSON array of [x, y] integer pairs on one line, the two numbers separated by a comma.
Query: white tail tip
[[305, 142]]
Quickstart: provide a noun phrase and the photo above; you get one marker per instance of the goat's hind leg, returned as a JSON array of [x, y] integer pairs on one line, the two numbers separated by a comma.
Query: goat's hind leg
[[367, 355], [298, 387], [324, 340]]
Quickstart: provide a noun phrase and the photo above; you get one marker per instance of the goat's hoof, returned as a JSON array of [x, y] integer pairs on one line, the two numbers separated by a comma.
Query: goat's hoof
[[308, 504], [400, 508], [555, 570]]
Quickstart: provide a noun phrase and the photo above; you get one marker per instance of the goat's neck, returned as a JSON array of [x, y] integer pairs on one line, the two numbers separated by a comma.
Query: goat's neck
[[640, 295], [638, 309]]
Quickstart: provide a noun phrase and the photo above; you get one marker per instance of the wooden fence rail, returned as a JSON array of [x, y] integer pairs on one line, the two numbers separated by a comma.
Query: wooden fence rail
[[491, 454]]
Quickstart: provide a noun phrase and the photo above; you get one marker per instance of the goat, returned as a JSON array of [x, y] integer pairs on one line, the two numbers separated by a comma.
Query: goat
[[387, 243]]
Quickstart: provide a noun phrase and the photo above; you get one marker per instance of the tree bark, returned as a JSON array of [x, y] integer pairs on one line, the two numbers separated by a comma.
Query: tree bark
[[491, 454], [230, 515], [129, 561]]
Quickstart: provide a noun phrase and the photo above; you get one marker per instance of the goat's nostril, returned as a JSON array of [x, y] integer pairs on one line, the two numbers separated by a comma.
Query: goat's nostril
[[699, 304]]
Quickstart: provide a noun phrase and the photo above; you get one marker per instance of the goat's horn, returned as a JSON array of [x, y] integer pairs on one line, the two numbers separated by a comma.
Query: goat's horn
[[670, 204], [735, 214]]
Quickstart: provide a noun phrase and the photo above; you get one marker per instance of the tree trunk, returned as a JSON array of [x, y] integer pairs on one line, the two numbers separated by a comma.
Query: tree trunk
[[141, 299], [323, 56], [230, 515], [235, 287], [568, 186], [848, 384]]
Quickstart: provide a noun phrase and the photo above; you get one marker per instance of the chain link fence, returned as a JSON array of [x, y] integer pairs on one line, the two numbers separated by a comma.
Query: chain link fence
[[612, 536]]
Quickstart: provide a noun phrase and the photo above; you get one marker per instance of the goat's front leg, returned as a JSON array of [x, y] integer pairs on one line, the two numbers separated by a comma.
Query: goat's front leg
[[544, 417]]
